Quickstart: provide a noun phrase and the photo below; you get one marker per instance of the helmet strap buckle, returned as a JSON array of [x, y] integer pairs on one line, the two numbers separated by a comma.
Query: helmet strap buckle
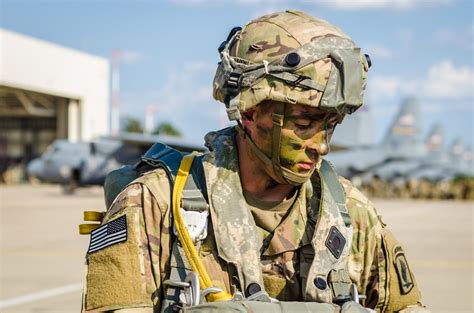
[[233, 83], [277, 119]]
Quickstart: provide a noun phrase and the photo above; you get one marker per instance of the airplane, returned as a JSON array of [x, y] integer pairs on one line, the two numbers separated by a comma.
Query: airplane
[[75, 164], [402, 141], [446, 164], [400, 168], [403, 154]]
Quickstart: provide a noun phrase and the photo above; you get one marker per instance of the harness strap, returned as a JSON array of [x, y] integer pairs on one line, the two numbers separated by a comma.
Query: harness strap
[[194, 196], [336, 189], [183, 234]]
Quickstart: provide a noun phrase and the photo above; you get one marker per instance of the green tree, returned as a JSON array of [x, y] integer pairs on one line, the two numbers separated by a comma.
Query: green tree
[[133, 125], [166, 128]]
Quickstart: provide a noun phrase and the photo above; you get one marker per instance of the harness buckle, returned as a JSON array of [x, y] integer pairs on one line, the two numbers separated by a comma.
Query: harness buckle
[[196, 224], [356, 297], [191, 294]]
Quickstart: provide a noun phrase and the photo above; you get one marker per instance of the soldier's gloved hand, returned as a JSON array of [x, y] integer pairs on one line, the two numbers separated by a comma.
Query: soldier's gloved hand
[[353, 307]]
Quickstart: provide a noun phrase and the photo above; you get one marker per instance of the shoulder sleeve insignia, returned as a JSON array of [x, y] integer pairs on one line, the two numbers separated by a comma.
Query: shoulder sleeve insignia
[[403, 271], [335, 242], [108, 234]]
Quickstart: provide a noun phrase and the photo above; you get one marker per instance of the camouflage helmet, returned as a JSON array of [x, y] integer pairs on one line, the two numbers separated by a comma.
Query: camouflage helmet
[[288, 58], [293, 58]]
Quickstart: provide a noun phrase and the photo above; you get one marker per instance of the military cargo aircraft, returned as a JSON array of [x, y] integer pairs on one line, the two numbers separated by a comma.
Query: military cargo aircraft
[[446, 164], [74, 164], [404, 155], [402, 141], [402, 167]]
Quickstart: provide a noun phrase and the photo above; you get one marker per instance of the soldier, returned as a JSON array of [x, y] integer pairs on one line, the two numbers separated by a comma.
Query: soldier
[[272, 227]]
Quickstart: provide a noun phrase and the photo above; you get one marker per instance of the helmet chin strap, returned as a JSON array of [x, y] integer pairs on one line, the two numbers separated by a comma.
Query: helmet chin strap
[[283, 175]]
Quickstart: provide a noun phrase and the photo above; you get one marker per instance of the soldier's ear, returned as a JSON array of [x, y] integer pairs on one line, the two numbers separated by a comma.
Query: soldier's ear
[[248, 116], [248, 121]]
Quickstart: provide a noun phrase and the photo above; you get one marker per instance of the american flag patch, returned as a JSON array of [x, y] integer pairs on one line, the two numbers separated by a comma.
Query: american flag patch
[[108, 234]]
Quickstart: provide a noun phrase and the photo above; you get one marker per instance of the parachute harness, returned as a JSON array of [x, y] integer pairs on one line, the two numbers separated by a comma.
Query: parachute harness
[[185, 239]]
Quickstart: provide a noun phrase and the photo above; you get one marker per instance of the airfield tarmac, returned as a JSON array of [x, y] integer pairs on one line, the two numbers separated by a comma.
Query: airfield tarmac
[[42, 253]]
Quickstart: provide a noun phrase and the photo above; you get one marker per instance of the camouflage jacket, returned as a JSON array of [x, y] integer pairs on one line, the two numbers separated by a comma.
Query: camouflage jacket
[[130, 275]]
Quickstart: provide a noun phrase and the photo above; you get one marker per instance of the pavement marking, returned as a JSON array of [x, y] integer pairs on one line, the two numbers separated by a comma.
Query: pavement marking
[[48, 293]]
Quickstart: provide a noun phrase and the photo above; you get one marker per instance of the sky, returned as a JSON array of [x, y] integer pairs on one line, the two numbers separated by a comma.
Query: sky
[[169, 52]]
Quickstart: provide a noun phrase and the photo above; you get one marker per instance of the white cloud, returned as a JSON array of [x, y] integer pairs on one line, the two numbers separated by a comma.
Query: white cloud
[[264, 10], [377, 51], [334, 4], [129, 56], [380, 87], [459, 38], [383, 4], [444, 80], [259, 2], [191, 2], [184, 89], [438, 107], [383, 88]]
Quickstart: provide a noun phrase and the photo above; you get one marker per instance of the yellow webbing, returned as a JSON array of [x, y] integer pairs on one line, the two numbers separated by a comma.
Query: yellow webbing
[[183, 234], [93, 216], [86, 229]]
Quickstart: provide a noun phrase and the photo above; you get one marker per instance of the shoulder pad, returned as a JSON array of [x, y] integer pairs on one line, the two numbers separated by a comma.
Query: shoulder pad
[[351, 191], [161, 155], [116, 181]]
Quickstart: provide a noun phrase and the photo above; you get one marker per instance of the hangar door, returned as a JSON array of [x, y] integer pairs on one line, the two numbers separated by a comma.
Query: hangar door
[[29, 122]]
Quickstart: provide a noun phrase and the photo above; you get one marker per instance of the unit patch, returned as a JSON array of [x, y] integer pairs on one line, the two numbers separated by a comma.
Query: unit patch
[[335, 242], [403, 271], [108, 234]]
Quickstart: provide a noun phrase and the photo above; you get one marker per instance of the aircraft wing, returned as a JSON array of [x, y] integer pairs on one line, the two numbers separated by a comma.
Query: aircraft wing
[[358, 160], [145, 141]]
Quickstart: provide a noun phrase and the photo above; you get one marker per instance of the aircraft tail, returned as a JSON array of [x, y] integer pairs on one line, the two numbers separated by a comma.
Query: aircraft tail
[[456, 150], [404, 134], [435, 140]]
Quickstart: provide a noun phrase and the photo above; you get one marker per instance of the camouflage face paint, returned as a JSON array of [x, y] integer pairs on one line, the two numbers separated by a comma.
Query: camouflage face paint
[[305, 137], [263, 126]]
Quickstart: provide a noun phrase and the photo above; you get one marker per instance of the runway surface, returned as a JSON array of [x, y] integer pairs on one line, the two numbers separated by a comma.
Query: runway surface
[[42, 253]]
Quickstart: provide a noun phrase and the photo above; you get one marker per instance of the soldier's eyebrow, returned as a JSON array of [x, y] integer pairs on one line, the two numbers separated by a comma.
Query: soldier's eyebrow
[[309, 115]]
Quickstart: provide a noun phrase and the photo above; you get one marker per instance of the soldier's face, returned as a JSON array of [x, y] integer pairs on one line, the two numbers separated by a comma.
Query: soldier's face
[[305, 134]]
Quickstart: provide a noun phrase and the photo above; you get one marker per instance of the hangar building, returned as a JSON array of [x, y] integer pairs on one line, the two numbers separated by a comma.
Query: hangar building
[[48, 92]]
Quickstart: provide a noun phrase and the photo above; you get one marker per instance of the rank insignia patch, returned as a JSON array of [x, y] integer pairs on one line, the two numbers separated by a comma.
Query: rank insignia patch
[[403, 271], [335, 242], [108, 234]]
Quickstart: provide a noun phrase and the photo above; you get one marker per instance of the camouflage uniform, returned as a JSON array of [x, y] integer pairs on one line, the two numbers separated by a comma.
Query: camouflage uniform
[[285, 58], [131, 274]]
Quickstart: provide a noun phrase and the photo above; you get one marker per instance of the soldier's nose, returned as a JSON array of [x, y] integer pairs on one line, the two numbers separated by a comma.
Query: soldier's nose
[[320, 144], [322, 148]]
